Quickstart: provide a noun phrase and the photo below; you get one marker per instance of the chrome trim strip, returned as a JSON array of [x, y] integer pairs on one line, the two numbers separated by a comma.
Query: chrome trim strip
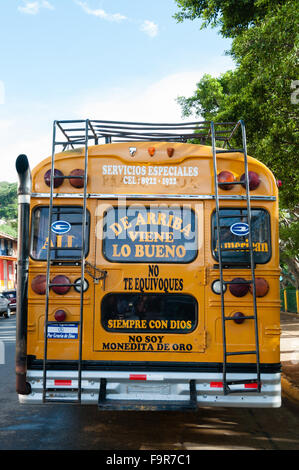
[[151, 196]]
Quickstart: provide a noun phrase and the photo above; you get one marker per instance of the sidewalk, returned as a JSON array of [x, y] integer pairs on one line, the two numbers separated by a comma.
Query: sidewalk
[[289, 346]]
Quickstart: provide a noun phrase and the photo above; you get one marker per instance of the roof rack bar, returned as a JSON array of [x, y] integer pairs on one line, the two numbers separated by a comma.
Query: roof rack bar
[[118, 131], [93, 131]]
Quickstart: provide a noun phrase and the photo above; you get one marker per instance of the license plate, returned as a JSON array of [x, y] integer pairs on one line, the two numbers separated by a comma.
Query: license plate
[[161, 389]]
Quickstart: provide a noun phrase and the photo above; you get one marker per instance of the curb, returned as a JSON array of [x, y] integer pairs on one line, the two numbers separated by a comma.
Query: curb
[[290, 390], [291, 314]]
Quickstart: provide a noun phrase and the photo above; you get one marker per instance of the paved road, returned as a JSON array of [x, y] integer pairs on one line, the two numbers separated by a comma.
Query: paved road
[[70, 427]]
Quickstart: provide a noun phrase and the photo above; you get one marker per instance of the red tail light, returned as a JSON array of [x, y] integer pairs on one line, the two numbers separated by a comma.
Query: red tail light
[[216, 384], [239, 317], [253, 385], [225, 177], [58, 178], [63, 284], [60, 315], [261, 287], [38, 284], [62, 383], [137, 377], [239, 290], [253, 178], [77, 182]]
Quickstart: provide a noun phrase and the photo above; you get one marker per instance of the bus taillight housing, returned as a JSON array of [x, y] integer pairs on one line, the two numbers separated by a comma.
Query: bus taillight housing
[[77, 178], [261, 287], [61, 284], [38, 284], [60, 315], [58, 178], [239, 287], [225, 177], [253, 179]]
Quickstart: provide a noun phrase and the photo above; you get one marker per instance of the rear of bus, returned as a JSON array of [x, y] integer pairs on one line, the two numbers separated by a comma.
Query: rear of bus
[[152, 330]]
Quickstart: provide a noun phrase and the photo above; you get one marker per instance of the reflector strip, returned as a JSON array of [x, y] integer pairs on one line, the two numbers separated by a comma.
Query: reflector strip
[[216, 384], [62, 382], [137, 377], [254, 385]]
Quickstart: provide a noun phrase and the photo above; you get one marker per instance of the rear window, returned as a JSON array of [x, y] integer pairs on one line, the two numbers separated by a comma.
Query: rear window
[[66, 233], [139, 313], [142, 234], [234, 236]]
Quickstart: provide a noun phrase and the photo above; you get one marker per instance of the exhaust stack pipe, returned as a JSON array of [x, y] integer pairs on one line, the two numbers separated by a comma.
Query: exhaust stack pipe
[[24, 194]]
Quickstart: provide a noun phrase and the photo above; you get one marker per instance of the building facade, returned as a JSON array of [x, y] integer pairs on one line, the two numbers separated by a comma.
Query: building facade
[[8, 259]]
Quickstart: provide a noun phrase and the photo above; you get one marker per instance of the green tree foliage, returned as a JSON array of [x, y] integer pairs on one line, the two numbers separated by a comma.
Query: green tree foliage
[[232, 16], [259, 90], [289, 247], [8, 208]]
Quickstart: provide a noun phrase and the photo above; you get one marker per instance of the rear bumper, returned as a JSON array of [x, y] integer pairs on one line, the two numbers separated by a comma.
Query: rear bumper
[[152, 390]]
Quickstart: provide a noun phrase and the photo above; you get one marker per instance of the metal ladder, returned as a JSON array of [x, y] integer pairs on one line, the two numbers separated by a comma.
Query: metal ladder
[[226, 354], [55, 143]]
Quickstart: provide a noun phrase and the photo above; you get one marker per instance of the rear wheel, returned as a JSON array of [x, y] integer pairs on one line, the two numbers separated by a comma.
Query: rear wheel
[[7, 313]]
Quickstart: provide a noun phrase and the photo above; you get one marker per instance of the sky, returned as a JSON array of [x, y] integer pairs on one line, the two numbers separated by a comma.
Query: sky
[[98, 59]]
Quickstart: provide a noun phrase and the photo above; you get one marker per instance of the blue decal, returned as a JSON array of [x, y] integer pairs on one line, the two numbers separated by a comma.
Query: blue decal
[[240, 229], [60, 227], [62, 331]]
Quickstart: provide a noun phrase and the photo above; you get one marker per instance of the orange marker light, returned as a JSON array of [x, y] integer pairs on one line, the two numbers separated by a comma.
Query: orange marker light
[[225, 177], [151, 151], [170, 151]]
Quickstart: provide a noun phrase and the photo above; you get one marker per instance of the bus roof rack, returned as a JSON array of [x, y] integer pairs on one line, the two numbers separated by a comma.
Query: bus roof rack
[[77, 132]]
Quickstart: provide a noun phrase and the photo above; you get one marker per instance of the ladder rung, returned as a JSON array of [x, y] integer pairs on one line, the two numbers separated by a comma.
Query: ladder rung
[[244, 381], [64, 285], [240, 353], [63, 177], [227, 183], [252, 317], [231, 216], [230, 151], [70, 177], [71, 142], [238, 282]]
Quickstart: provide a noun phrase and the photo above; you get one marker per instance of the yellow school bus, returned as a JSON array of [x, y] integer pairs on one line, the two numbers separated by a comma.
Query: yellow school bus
[[148, 271]]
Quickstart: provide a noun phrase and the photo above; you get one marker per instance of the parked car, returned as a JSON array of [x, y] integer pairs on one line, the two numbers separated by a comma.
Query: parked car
[[4, 306], [11, 295]]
